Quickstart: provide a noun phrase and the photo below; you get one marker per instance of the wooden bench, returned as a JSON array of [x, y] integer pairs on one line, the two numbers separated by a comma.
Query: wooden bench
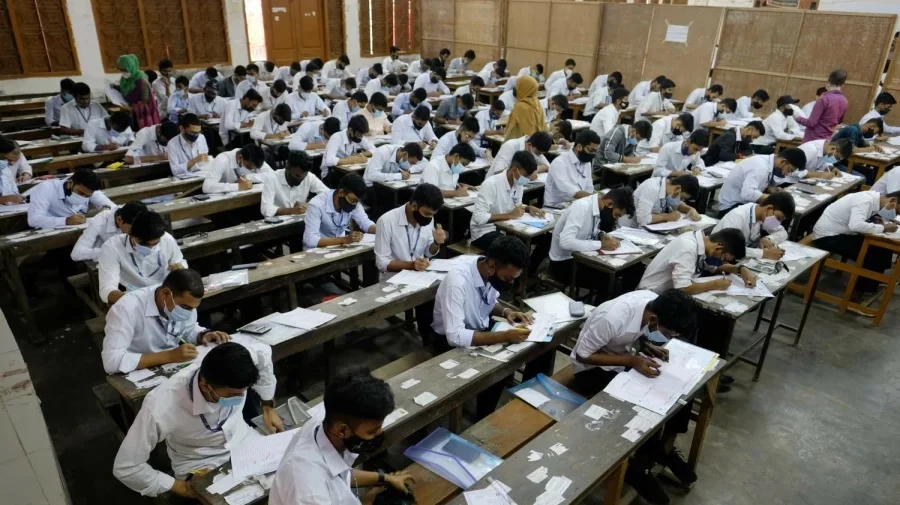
[[464, 247], [192, 225]]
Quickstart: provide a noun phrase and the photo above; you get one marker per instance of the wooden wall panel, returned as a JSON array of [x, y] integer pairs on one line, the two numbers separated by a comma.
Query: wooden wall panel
[[527, 26], [209, 38], [892, 81], [478, 24], [624, 29], [483, 54], [441, 15], [165, 32], [119, 30], [583, 65], [518, 58], [335, 12], [574, 31], [10, 64], [758, 39], [858, 96], [738, 84], [855, 43], [432, 48], [54, 22]]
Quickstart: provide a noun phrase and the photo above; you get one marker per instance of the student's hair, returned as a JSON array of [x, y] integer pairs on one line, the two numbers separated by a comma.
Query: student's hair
[[622, 198], [81, 89], [587, 136], [422, 113], [820, 91], [66, 85], [253, 95], [7, 145], [229, 365], [184, 280], [428, 195], [541, 140], [618, 94], [306, 83], [675, 310], [716, 88], [130, 210], [781, 201], [476, 80], [439, 71], [560, 100], [165, 63], [877, 121], [361, 97], [395, 49], [508, 250], [689, 184], [151, 76], [540, 69], [253, 67], [668, 83], [240, 70], [464, 150], [844, 148], [469, 54], [660, 79], [211, 72], [569, 61], [87, 178], [730, 104], [565, 129], [895, 194], [414, 150], [444, 51], [501, 65], [377, 68], [313, 67], [120, 119], [344, 59], [525, 161], [498, 105], [299, 159], [183, 80], [378, 100], [837, 77], [617, 76], [332, 125], [467, 101], [469, 123], [644, 129], [758, 126], [700, 137], [270, 66], [357, 396], [359, 124], [353, 183], [576, 78], [211, 84], [733, 242], [188, 120], [295, 66], [885, 98], [687, 119], [319, 63], [403, 79], [420, 93], [761, 94], [254, 154], [283, 110], [795, 156], [148, 226]]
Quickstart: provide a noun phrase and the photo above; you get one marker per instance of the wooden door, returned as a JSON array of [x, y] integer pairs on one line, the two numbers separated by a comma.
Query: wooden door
[[310, 31], [294, 30]]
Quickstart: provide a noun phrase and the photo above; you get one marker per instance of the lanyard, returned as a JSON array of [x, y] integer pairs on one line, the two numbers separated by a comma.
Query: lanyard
[[181, 144], [90, 113], [202, 417], [138, 268], [340, 224], [413, 243]]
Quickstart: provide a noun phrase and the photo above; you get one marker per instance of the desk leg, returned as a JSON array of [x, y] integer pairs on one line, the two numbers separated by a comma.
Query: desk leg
[[813, 284], [888, 293], [20, 295], [573, 288], [707, 403], [773, 322], [524, 278], [614, 484], [759, 316]]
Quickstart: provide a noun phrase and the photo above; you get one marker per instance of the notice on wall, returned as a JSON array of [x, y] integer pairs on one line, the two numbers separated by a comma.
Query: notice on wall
[[677, 33]]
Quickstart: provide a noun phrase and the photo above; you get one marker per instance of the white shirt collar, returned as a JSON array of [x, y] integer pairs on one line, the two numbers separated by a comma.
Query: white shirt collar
[[333, 460]]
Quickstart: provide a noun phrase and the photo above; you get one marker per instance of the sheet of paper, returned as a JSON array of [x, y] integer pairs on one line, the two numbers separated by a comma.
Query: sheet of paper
[[534, 221], [596, 412], [535, 456], [303, 318], [409, 383], [625, 247], [393, 417], [894, 141], [115, 96], [468, 374], [447, 365], [532, 397], [538, 475], [245, 495], [151, 382], [554, 303], [737, 288], [424, 399], [259, 455], [514, 348], [10, 209], [631, 435], [414, 278], [636, 236], [139, 375], [487, 496], [558, 449], [558, 484], [542, 328], [224, 484], [442, 265], [677, 33]]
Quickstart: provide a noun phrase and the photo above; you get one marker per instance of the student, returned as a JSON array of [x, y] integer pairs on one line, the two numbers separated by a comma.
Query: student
[[734, 143], [822, 156], [808, 108], [537, 145], [536, 72], [385, 85], [237, 115], [317, 468], [338, 89], [314, 135], [252, 82], [779, 125], [861, 134], [313, 71], [103, 226], [570, 176], [14, 168], [375, 112], [643, 89], [53, 104], [275, 95], [432, 82], [188, 153], [451, 110], [272, 124], [841, 228], [619, 144], [746, 105], [461, 65], [236, 170], [266, 70], [108, 134], [64, 202], [286, 73], [500, 199], [607, 81], [393, 163], [761, 224], [415, 127], [348, 147], [392, 63], [198, 412], [443, 57], [465, 134], [329, 214], [75, 115], [714, 113], [406, 103], [367, 74], [305, 102], [567, 70], [554, 107], [656, 102], [406, 237], [443, 171], [670, 129], [150, 143], [682, 157], [700, 96], [286, 191], [829, 109], [487, 121], [345, 109], [336, 69], [493, 71], [608, 117], [404, 85], [662, 199], [567, 87], [199, 80], [508, 97], [883, 103], [472, 88], [617, 337], [226, 87], [418, 68], [750, 180], [207, 104], [178, 104]]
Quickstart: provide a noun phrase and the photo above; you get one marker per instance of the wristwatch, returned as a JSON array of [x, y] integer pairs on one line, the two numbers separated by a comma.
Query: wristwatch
[[381, 476]]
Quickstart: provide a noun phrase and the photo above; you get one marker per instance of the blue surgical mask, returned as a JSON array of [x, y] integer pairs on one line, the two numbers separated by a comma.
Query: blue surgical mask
[[191, 137], [829, 159], [655, 336], [460, 111], [251, 79], [143, 251], [632, 141], [113, 134], [673, 202], [378, 113], [4, 164], [887, 214], [457, 168], [76, 201], [685, 150], [713, 262], [404, 165], [180, 314], [771, 224], [67, 97], [230, 401], [522, 180], [241, 171], [354, 109]]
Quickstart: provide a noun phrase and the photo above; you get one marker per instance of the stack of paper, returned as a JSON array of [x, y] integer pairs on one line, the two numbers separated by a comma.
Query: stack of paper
[[542, 328], [625, 247], [259, 455], [556, 304], [414, 278], [894, 141], [737, 288], [10, 209], [304, 319], [534, 221], [671, 225], [442, 265]]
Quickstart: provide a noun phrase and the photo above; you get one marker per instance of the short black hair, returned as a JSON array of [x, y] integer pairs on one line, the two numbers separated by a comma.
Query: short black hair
[[395, 49], [569, 61], [469, 123], [469, 54], [700, 137], [358, 396], [353, 183], [467, 101], [525, 161], [576, 78], [377, 68], [414, 150], [476, 80], [622, 198], [391, 79], [378, 100], [660, 79], [730, 104], [344, 59], [318, 62], [542, 141], [501, 64], [168, 130], [81, 89], [732, 240], [403, 79], [795, 156], [279, 86], [211, 72], [360, 97], [253, 95], [444, 51], [716, 88], [332, 125], [782, 201], [885, 98], [837, 77], [464, 150], [295, 66], [668, 83], [306, 83], [439, 71], [540, 68], [211, 84], [270, 66], [7, 145], [188, 120], [252, 67], [616, 75], [687, 119], [130, 210], [422, 113], [66, 85], [420, 94], [565, 129], [560, 100], [283, 111], [185, 280], [498, 105], [761, 94], [254, 154], [758, 126], [351, 81], [87, 178], [151, 76], [821, 90], [618, 93], [229, 365], [877, 121], [299, 159], [675, 310], [313, 66], [895, 194], [240, 70], [844, 147], [148, 226], [644, 129], [182, 79], [359, 124], [428, 195], [120, 119], [587, 136], [508, 250], [689, 184]]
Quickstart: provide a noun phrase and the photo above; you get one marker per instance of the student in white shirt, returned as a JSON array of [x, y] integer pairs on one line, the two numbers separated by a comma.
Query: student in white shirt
[[465, 134], [339, 89], [348, 147], [406, 103], [443, 171], [643, 89], [367, 74], [104, 225], [276, 94], [415, 127], [178, 103], [779, 126], [314, 71], [393, 163], [237, 115], [64, 202], [554, 107], [139, 259], [392, 64], [108, 134], [883, 103], [461, 64], [670, 129], [387, 85], [821, 158], [286, 73], [508, 97], [236, 170], [418, 68], [493, 71], [608, 117], [433, 82], [314, 134], [407, 238], [272, 124], [888, 183], [474, 86], [375, 112], [751, 179], [682, 157], [207, 104], [536, 72], [567, 87], [693, 253], [661, 199], [700, 96], [199, 80], [199, 413], [570, 176], [608, 81], [54, 103], [714, 113], [150, 143], [487, 121], [286, 191], [733, 143], [305, 102], [537, 145], [336, 69], [163, 86], [656, 102], [566, 71], [252, 82], [14, 168], [329, 214], [75, 115], [500, 199], [453, 109], [188, 153], [761, 224], [841, 227], [317, 468], [343, 110], [748, 105], [266, 70]]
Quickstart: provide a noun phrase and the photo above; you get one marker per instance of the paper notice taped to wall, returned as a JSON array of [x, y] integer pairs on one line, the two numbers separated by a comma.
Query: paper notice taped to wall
[[677, 33]]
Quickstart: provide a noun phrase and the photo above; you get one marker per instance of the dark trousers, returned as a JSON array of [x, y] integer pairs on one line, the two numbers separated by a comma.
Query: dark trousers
[[276, 156], [722, 212], [760, 149], [424, 317], [877, 259], [541, 247]]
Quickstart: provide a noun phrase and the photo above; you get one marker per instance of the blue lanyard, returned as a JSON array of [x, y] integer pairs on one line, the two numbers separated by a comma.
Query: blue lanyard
[[413, 244], [340, 224], [202, 417], [181, 144], [138, 268]]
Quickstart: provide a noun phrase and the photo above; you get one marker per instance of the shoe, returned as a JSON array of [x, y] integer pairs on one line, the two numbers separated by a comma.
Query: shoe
[[675, 462], [726, 379], [723, 388], [647, 486]]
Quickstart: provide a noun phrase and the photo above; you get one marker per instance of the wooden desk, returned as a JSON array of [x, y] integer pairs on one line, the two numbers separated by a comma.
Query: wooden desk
[[50, 147], [781, 145], [630, 174], [186, 208], [72, 161], [20, 104], [882, 162], [22, 122], [152, 189], [489, 93], [34, 134], [526, 234], [808, 207], [233, 238]]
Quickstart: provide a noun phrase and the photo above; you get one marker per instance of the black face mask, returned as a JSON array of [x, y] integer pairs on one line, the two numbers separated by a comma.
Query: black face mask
[[667, 94], [788, 112], [434, 80], [677, 131], [417, 126], [868, 135], [585, 157], [607, 220], [162, 141], [191, 137], [291, 180], [420, 219], [209, 97], [499, 284], [359, 445], [610, 84], [756, 105], [884, 112], [346, 206], [353, 138]]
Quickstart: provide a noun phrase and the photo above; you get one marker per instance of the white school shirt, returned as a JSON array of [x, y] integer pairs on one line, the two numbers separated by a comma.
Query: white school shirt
[[874, 114], [181, 152], [232, 118], [509, 101], [312, 472], [670, 159], [506, 152], [402, 105], [560, 87], [457, 66], [696, 97], [342, 112], [100, 228], [597, 100], [270, 101], [177, 102], [747, 181], [743, 218], [566, 177], [495, 196], [223, 178], [778, 127], [446, 143], [51, 109], [676, 264], [278, 194], [601, 81], [706, 112], [376, 86], [8, 184], [849, 215], [557, 75], [398, 239], [334, 88], [310, 103], [295, 80], [639, 92], [649, 199], [404, 130], [814, 151], [265, 75], [424, 82], [198, 105], [159, 91], [437, 172], [199, 79], [264, 125], [744, 108], [577, 230], [284, 74], [485, 123], [488, 76], [324, 221], [654, 102], [363, 77], [73, 116], [146, 143], [415, 69], [463, 90], [244, 86], [308, 133], [119, 264], [605, 120], [339, 146], [662, 132], [392, 66], [97, 134], [889, 182], [331, 71], [612, 328], [808, 108], [172, 412], [383, 166], [48, 207], [463, 304]]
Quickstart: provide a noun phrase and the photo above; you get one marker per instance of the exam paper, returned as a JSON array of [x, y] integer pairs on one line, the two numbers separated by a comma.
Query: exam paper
[[532, 397], [738, 288], [556, 304], [245, 495], [303, 318], [542, 328], [414, 278], [223, 484], [625, 247], [259, 455]]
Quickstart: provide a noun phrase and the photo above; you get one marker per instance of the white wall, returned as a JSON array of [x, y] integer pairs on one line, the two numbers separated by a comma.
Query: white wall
[[870, 6]]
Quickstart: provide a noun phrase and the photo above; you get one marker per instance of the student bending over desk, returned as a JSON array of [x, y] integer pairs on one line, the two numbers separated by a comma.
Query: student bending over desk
[[406, 103], [14, 168], [207, 104], [734, 143], [329, 213], [682, 157], [415, 127], [53, 104], [714, 113], [387, 85], [305, 102], [465, 134], [443, 171], [883, 104], [461, 64], [618, 145], [821, 158], [393, 163], [779, 125], [375, 112], [608, 117], [314, 134], [150, 143], [348, 147], [662, 199], [747, 104], [286, 191], [452, 110], [432, 82], [861, 135], [537, 145], [500, 199], [64, 202], [75, 115], [570, 175], [487, 120], [656, 102], [367, 74], [671, 129], [188, 153], [346, 108], [761, 224], [750, 180], [473, 88], [236, 170], [566, 71], [701, 96], [236, 115], [103, 226]]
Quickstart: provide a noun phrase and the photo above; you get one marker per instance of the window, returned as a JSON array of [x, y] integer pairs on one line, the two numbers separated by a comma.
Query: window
[[188, 32], [386, 23], [40, 36]]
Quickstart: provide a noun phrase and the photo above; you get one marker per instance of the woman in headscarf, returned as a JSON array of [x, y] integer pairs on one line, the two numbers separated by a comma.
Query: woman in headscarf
[[527, 116], [135, 87]]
